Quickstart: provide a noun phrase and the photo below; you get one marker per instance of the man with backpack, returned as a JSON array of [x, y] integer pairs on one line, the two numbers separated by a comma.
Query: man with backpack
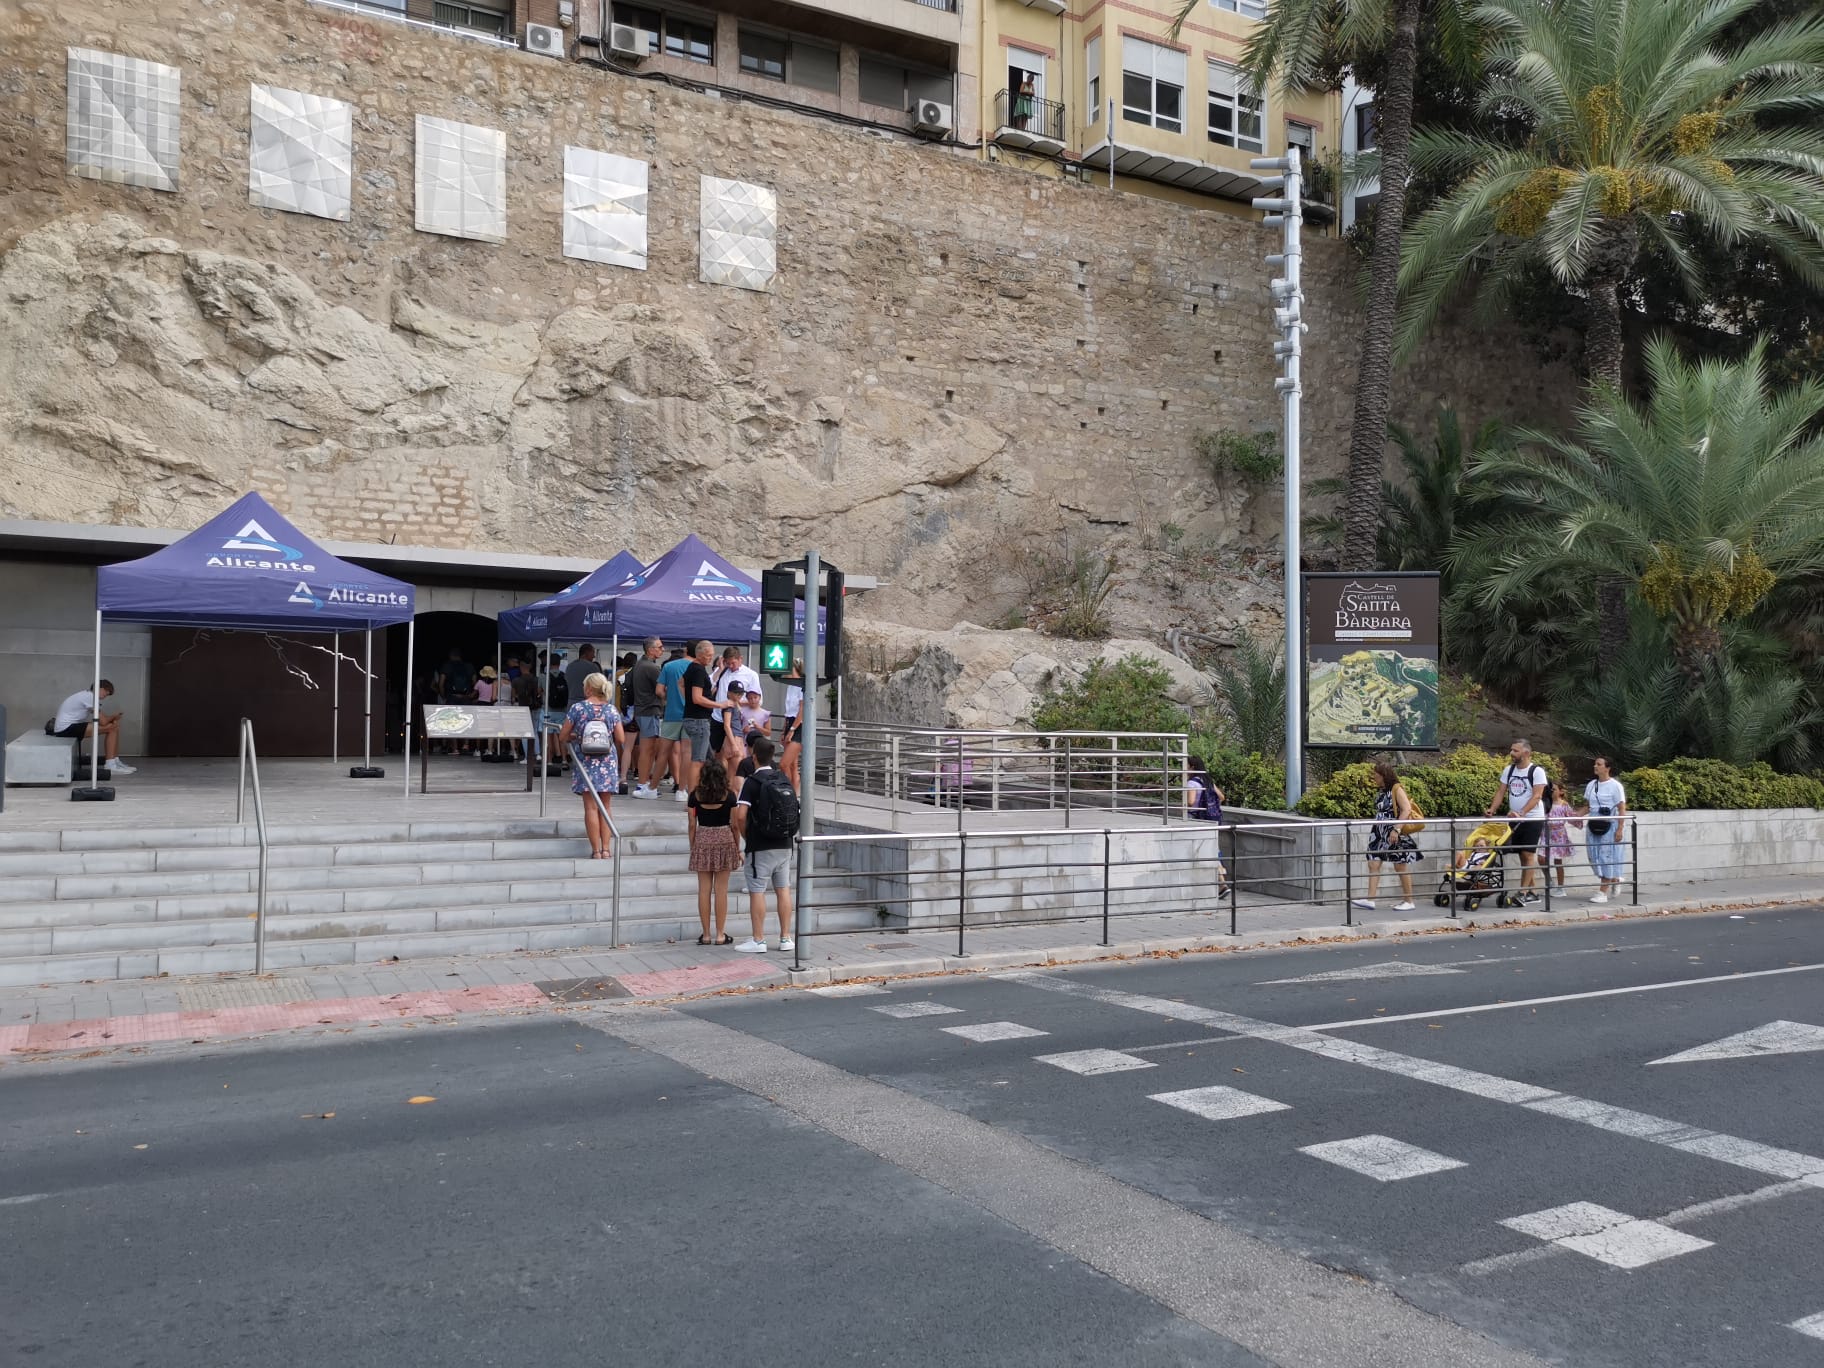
[[1524, 784], [766, 821]]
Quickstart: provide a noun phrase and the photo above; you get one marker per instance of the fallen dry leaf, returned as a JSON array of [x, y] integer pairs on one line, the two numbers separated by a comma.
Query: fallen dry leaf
[[317, 1116], [142, 1147], [421, 1098]]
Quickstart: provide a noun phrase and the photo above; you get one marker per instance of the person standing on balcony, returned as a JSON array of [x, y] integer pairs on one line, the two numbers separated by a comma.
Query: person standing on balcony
[[1023, 102]]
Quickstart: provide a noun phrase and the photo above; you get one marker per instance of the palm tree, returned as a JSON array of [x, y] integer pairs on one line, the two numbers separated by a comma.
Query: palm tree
[[1420, 515], [1649, 122], [1704, 500], [1298, 44]]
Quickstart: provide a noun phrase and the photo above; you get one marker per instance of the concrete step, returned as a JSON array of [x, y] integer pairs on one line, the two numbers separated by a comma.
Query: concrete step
[[633, 819], [587, 882]]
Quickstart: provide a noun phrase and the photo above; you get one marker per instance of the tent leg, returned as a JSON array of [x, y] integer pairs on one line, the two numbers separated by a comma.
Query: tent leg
[[544, 749], [494, 745], [96, 792], [411, 646], [367, 769], [335, 704]]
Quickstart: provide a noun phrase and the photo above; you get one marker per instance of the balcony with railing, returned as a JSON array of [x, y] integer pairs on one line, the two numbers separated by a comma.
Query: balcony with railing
[[1028, 124]]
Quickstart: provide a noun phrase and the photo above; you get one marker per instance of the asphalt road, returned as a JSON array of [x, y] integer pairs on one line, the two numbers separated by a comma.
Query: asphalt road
[[1449, 1151]]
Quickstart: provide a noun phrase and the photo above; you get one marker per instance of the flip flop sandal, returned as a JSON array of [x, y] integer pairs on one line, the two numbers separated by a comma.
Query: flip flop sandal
[[704, 940], [726, 940]]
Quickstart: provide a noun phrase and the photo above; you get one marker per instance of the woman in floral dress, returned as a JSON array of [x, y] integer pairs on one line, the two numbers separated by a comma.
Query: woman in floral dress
[[603, 771], [1387, 844]]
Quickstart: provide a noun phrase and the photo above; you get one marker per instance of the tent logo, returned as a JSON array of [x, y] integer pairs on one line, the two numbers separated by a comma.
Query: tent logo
[[708, 577], [302, 594], [253, 537]]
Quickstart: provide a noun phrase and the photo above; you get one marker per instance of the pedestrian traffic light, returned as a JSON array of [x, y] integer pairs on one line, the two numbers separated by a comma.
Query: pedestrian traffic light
[[829, 659], [778, 597]]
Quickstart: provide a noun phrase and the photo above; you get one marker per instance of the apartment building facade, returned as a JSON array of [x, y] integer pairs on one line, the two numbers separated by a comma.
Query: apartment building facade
[[1119, 94]]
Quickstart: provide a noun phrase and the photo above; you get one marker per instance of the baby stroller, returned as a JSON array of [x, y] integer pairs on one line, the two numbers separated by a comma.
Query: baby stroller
[[1477, 870]]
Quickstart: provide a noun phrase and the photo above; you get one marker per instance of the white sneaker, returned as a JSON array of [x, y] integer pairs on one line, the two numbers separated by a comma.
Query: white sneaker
[[1364, 903], [645, 791], [785, 946], [1403, 906], [120, 767], [680, 795], [1600, 897], [751, 947]]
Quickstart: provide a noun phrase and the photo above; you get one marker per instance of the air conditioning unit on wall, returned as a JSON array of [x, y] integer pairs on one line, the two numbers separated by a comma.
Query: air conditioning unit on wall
[[545, 39], [624, 40], [929, 116]]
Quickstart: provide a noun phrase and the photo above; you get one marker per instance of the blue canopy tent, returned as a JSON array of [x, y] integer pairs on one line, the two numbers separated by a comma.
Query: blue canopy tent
[[690, 591], [550, 616], [249, 569]]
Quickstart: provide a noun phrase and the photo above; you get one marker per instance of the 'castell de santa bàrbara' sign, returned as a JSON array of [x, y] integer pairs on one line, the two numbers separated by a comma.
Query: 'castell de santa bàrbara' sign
[[1371, 660]]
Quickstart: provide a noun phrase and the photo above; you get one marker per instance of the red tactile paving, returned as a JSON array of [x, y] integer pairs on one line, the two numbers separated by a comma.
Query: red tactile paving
[[100, 1032], [667, 981]]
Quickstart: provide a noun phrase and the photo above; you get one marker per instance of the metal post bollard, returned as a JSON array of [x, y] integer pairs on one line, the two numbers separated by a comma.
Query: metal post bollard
[[1348, 879], [962, 891], [1105, 852], [1234, 872], [1068, 783], [1634, 853], [1450, 877]]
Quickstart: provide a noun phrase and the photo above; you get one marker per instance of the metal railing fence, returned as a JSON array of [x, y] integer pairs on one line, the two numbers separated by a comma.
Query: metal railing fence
[[1083, 775], [250, 766], [952, 882], [1029, 114]]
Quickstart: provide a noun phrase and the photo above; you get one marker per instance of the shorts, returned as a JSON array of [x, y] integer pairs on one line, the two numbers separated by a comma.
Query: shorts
[[671, 731], [1525, 836], [718, 735], [649, 726], [75, 729], [696, 731], [762, 866]]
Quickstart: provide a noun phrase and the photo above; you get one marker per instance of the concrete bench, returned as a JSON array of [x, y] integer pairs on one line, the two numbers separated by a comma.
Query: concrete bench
[[35, 758]]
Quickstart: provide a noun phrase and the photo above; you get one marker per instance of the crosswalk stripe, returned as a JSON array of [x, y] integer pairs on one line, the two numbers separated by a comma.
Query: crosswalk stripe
[[1219, 1103], [1381, 1158], [1094, 1061]]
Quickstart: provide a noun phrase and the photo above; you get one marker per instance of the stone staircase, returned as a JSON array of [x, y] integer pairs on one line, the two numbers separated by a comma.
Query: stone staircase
[[120, 902]]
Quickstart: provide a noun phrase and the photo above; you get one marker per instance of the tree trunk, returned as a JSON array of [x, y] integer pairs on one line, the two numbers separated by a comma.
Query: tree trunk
[[1602, 344], [1374, 368]]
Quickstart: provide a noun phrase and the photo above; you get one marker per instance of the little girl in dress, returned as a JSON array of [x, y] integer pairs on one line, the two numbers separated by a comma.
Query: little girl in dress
[[1558, 833]]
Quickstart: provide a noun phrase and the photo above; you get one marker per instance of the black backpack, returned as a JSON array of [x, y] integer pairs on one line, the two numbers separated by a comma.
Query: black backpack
[[772, 813], [558, 692]]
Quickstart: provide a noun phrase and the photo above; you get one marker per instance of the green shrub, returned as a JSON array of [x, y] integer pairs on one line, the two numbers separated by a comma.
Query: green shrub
[[1347, 793], [1255, 460], [1247, 780], [1459, 787], [1692, 783], [1128, 695]]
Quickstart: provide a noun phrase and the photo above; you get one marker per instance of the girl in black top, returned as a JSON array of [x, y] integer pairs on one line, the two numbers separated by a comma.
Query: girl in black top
[[714, 852]]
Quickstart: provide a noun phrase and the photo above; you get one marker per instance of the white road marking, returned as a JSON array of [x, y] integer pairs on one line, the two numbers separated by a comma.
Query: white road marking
[[902, 1010], [1094, 1061], [1219, 1103], [994, 1030], [1776, 1037], [1562, 1222], [1610, 1237], [1385, 969], [1726, 1149], [850, 990], [1184, 1044], [1381, 1157], [1562, 997], [1810, 1325], [27, 1197], [1697, 1211]]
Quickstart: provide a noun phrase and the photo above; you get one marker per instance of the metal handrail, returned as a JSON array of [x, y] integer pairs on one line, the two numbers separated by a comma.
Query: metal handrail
[[614, 907], [250, 764]]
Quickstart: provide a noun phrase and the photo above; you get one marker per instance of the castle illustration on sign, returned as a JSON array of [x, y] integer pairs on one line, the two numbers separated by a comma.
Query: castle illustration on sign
[[1373, 695]]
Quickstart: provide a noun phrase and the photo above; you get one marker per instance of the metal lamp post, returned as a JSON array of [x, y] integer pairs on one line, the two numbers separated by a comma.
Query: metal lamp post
[[1285, 211]]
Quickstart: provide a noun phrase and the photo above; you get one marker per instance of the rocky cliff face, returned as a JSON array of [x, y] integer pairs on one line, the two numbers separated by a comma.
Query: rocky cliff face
[[959, 365]]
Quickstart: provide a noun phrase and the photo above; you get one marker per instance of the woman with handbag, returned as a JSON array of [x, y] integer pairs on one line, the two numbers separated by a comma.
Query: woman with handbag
[[1396, 821], [1604, 810]]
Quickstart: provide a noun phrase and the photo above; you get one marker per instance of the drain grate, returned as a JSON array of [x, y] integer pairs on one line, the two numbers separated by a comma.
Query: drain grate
[[597, 989]]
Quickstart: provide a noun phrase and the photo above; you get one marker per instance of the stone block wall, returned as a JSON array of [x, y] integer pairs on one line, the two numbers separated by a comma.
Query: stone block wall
[[957, 358]]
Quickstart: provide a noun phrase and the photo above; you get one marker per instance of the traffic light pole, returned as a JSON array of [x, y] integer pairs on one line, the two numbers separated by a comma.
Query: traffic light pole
[[1287, 211], [807, 759]]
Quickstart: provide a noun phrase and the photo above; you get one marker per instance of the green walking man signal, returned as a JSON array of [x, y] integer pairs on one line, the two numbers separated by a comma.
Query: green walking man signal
[[779, 612]]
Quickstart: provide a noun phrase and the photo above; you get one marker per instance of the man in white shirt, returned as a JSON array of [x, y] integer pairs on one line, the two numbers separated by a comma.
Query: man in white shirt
[[1605, 808], [78, 715], [1523, 784]]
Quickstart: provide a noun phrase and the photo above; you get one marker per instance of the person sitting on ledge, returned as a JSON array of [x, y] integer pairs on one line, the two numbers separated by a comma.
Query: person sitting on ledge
[[80, 715]]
